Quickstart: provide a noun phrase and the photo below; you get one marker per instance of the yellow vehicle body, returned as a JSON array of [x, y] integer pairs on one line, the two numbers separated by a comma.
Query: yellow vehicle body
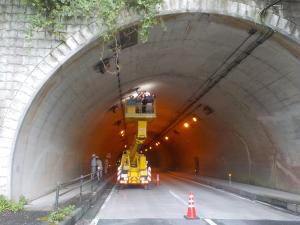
[[133, 167], [135, 170]]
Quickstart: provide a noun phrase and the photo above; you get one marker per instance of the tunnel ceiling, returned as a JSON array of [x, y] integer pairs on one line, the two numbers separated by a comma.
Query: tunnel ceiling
[[252, 130]]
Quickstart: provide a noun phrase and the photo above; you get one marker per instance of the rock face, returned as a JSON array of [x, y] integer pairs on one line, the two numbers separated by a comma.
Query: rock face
[[54, 105]]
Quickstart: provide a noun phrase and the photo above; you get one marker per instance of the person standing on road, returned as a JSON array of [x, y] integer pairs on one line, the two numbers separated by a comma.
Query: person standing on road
[[197, 166], [93, 166], [106, 164], [99, 168]]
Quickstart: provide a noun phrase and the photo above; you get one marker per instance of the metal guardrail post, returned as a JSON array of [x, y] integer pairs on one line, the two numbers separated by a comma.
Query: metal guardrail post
[[57, 196], [81, 182], [92, 182]]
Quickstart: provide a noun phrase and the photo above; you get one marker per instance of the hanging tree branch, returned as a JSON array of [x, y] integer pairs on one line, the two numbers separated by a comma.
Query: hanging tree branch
[[49, 14]]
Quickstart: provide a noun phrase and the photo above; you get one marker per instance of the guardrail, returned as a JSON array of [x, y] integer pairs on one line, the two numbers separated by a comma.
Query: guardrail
[[83, 180]]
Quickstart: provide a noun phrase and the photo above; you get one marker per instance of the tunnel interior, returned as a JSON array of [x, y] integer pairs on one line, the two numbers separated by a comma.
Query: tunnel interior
[[248, 124]]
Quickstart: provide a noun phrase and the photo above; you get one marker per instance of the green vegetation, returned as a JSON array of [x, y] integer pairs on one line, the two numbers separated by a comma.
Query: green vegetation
[[59, 215], [51, 14], [11, 206]]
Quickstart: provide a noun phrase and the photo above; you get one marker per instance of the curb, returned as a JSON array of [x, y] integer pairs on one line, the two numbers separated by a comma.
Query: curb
[[79, 212], [292, 206]]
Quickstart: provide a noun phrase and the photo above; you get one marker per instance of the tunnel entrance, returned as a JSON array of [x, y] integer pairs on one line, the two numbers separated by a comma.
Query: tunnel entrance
[[243, 120]]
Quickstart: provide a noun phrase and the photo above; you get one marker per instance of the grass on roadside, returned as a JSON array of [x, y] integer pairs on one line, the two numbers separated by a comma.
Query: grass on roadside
[[56, 216], [7, 205]]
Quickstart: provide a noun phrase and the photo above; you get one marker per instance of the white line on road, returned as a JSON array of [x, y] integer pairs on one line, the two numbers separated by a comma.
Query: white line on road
[[210, 222], [178, 197], [232, 194], [97, 218], [213, 188]]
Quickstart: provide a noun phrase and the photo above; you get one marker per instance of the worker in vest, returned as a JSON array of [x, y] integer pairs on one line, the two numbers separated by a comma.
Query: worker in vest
[[99, 168], [106, 164], [93, 166]]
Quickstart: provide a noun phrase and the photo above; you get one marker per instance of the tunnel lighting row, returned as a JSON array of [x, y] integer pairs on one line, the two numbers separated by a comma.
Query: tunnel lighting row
[[185, 125]]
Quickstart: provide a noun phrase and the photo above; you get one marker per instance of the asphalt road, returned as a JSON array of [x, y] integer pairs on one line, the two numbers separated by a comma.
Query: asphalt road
[[167, 204]]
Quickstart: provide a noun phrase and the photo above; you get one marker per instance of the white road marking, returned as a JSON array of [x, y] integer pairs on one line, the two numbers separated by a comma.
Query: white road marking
[[178, 197], [210, 222], [233, 194], [97, 218], [213, 188]]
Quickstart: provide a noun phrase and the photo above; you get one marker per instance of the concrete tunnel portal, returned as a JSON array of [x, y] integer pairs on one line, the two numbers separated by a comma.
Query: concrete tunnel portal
[[248, 123]]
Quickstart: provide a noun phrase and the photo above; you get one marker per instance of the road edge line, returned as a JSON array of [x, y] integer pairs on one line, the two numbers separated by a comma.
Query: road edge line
[[97, 217], [210, 222]]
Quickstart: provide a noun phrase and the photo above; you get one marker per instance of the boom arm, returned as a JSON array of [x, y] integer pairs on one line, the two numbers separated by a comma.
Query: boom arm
[[137, 145], [133, 167]]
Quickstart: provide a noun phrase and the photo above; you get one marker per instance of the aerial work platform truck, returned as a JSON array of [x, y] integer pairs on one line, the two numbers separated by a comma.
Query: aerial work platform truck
[[134, 168]]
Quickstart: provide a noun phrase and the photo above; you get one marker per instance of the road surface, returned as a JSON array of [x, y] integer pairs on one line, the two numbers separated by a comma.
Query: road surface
[[167, 204]]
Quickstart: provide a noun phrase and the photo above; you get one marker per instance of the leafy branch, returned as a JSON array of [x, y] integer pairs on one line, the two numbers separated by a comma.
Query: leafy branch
[[50, 15]]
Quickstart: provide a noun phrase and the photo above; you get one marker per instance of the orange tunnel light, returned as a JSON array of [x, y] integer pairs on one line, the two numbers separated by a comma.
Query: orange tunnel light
[[122, 132], [166, 138], [195, 119], [186, 125]]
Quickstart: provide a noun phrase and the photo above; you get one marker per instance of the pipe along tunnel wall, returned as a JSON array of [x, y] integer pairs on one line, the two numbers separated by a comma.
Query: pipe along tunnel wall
[[251, 129]]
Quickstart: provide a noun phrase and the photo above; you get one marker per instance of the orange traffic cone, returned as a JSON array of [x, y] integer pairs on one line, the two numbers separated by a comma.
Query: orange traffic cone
[[191, 213]]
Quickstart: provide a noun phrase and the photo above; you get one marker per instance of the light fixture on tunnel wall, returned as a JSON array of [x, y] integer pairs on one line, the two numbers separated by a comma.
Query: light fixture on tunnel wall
[[186, 124], [166, 138], [176, 132], [128, 36], [114, 110], [146, 150], [101, 66], [195, 119], [125, 146], [122, 132], [150, 147], [207, 110]]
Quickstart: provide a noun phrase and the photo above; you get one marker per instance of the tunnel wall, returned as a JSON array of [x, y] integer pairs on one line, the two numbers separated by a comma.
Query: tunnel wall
[[26, 64]]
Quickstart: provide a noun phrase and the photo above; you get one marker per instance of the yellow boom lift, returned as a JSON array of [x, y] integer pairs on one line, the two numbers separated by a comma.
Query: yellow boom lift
[[133, 167]]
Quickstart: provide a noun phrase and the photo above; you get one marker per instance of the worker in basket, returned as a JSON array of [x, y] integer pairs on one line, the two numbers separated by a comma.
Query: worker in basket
[[143, 102]]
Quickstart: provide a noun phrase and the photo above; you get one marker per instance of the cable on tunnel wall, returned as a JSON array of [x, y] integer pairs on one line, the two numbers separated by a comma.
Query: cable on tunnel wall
[[264, 11], [216, 77], [116, 58]]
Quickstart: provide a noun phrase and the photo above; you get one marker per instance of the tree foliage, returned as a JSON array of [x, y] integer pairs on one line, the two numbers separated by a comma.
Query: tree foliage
[[51, 14]]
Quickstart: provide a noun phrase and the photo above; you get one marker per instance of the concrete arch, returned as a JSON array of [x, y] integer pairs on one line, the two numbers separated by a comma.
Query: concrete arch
[[86, 38]]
